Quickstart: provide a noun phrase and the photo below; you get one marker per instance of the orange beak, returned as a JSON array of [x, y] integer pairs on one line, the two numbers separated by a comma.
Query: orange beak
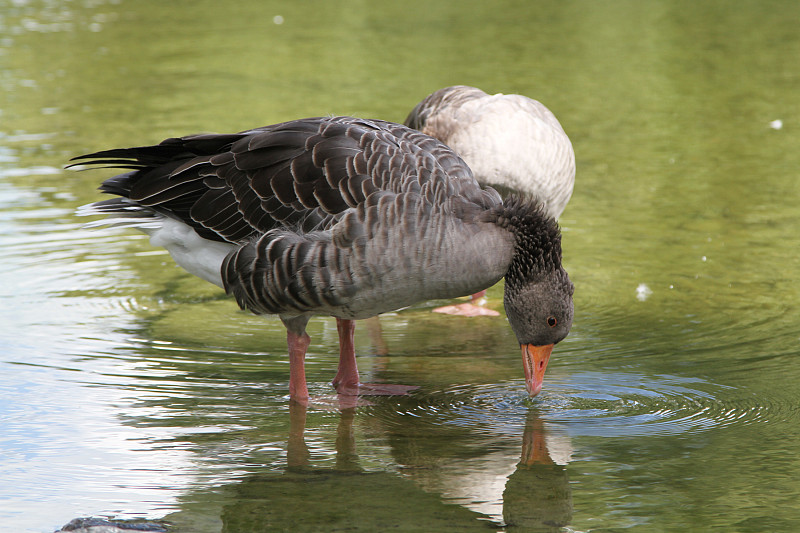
[[534, 359]]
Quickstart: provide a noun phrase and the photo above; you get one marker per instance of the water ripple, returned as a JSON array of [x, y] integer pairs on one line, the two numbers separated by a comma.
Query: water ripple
[[601, 404]]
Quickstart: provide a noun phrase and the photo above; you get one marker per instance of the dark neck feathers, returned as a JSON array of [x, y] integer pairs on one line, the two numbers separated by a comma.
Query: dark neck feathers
[[537, 247]]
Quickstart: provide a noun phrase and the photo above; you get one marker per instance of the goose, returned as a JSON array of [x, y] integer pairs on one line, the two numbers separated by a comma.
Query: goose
[[511, 142], [344, 217]]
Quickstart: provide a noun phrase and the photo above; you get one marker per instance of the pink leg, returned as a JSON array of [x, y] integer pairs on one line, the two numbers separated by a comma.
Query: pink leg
[[477, 296], [298, 344], [346, 380], [472, 308], [376, 335]]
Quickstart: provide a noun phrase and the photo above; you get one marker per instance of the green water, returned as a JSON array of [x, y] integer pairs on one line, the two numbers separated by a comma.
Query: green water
[[128, 389]]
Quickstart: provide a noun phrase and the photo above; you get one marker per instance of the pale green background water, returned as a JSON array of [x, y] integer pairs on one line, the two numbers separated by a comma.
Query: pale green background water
[[129, 389]]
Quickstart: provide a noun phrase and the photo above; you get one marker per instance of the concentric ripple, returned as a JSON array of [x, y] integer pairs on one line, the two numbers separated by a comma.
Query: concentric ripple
[[601, 404]]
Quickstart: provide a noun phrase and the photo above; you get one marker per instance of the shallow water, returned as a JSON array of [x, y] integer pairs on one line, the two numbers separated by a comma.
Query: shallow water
[[131, 390]]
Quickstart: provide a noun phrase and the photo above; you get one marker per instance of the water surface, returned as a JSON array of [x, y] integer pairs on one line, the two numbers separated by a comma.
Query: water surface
[[129, 389]]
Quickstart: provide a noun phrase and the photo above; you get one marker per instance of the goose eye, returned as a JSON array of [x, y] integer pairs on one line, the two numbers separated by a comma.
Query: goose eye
[[551, 321]]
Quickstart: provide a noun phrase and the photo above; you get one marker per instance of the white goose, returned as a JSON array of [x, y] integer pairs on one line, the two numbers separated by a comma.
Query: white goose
[[343, 217], [511, 142]]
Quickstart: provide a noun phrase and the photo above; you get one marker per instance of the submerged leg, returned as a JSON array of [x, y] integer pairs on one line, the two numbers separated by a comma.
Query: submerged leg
[[347, 381], [376, 335], [472, 308]]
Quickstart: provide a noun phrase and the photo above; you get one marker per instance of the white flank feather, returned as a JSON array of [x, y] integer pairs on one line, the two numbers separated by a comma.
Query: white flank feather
[[196, 255]]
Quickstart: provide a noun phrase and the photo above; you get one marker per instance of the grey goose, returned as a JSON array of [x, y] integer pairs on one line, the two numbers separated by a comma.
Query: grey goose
[[344, 217]]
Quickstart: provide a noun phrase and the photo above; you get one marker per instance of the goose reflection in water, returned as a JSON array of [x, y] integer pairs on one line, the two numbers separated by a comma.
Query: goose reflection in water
[[536, 495]]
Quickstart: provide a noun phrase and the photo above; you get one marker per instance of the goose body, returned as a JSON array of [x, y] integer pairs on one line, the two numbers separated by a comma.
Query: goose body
[[343, 217], [511, 142]]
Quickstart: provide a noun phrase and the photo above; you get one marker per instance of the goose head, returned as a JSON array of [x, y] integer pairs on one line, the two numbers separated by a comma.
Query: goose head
[[540, 314], [538, 291]]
